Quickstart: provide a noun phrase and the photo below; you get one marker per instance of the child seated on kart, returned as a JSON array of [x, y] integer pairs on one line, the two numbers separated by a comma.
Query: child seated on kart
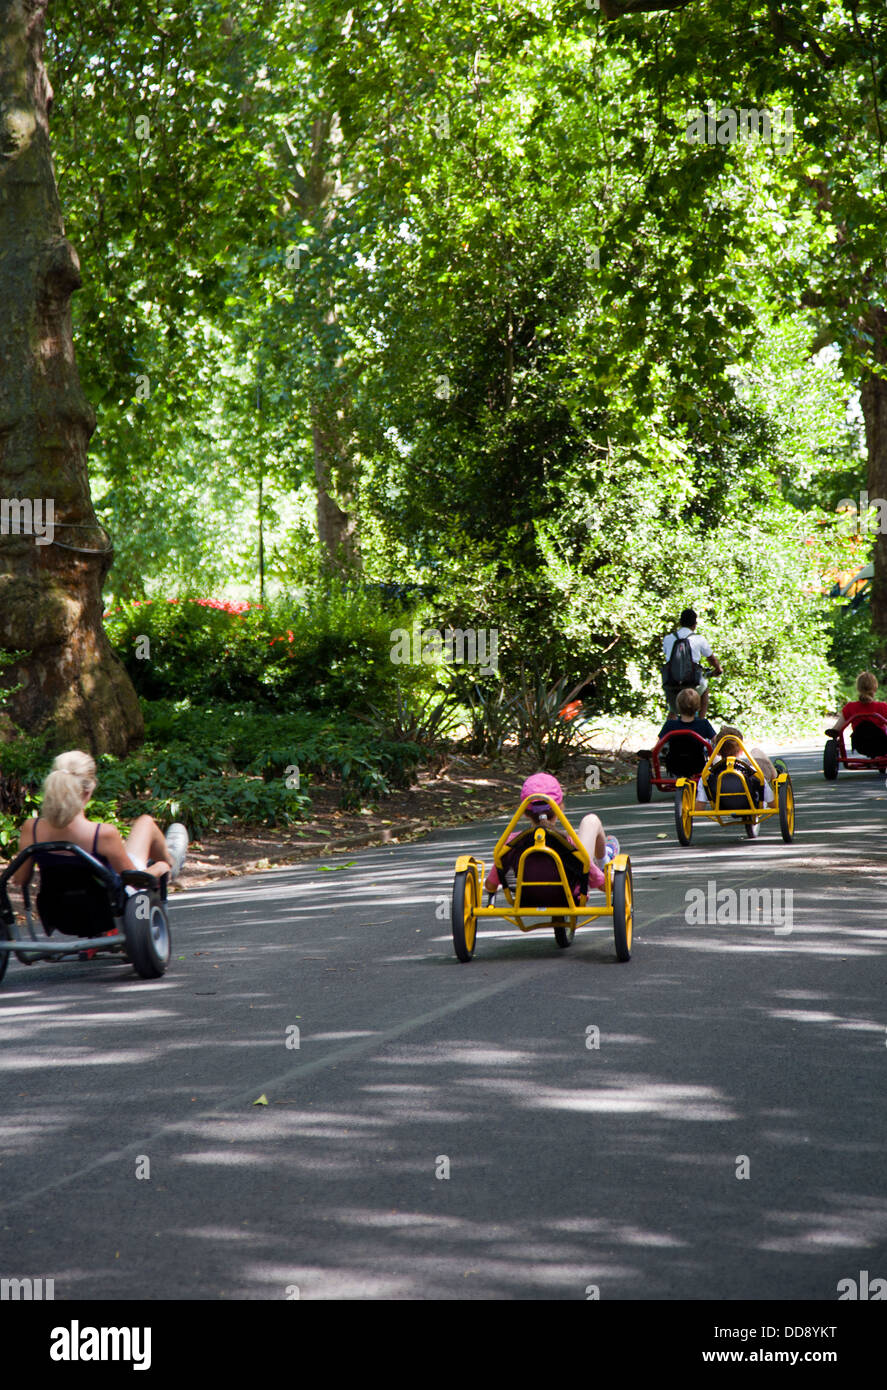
[[868, 738], [601, 848], [685, 757], [732, 747]]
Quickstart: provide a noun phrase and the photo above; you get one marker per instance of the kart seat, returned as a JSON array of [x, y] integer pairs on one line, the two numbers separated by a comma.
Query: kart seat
[[682, 756], [541, 885], [731, 790]]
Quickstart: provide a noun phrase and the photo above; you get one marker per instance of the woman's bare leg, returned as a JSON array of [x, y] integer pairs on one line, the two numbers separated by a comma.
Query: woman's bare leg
[[146, 840]]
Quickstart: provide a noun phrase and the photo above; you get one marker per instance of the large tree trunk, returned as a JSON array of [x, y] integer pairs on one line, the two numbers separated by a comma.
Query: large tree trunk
[[50, 579], [318, 192]]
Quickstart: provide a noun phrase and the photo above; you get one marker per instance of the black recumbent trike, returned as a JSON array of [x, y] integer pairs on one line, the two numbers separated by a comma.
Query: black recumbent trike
[[81, 898]]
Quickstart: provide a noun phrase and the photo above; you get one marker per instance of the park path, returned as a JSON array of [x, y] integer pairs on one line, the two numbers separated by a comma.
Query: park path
[[723, 1049]]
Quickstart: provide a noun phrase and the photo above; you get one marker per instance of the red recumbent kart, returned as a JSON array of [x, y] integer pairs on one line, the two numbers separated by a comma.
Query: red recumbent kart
[[686, 761], [836, 756]]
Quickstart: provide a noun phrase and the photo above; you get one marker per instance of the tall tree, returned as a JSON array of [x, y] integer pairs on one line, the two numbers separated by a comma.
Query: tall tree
[[53, 554]]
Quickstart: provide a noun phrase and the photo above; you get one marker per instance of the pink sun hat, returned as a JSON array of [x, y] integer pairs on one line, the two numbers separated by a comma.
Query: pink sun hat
[[543, 784]]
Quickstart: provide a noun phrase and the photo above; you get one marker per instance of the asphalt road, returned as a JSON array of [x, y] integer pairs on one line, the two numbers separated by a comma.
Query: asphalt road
[[723, 1049]]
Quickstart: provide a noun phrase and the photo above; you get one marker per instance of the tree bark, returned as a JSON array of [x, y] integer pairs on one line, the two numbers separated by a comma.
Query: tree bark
[[318, 192], [50, 582]]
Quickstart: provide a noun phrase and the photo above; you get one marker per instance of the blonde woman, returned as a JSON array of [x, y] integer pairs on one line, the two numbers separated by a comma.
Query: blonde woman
[[67, 792], [868, 738]]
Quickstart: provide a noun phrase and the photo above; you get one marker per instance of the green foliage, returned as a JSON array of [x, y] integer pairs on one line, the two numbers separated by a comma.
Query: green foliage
[[542, 730], [253, 739], [566, 447], [853, 646], [219, 765], [331, 651]]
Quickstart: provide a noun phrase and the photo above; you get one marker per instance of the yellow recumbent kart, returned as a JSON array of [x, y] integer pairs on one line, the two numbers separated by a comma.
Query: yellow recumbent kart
[[734, 797], [544, 875]]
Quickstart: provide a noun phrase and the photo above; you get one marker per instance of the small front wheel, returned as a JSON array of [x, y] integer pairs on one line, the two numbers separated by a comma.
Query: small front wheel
[[623, 912], [683, 812], [465, 914], [564, 935], [787, 811], [830, 760], [752, 827], [644, 780]]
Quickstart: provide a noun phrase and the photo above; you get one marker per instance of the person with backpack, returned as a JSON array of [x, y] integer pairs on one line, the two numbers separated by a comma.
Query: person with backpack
[[685, 650]]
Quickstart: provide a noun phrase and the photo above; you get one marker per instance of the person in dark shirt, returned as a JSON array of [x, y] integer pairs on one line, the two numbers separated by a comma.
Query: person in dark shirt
[[684, 757]]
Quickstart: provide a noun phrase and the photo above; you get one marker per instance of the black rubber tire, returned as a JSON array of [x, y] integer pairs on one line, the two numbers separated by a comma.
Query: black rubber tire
[[787, 811], [564, 936], [146, 928], [752, 828], [623, 912], [830, 762], [464, 920], [4, 955], [685, 835], [645, 780]]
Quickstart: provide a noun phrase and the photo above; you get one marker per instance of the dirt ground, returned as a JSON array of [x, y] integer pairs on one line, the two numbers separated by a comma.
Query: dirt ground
[[460, 789]]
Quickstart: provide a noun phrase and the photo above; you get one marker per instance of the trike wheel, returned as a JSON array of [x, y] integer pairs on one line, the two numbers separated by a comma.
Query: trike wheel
[[830, 760], [683, 813], [464, 914], [623, 912], [146, 928], [564, 935], [645, 780], [4, 955], [752, 827], [787, 811]]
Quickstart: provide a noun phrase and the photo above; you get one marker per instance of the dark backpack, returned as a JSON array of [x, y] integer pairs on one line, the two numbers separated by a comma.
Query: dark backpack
[[680, 669]]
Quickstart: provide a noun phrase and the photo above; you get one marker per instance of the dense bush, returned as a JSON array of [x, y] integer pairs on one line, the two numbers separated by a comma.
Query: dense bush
[[216, 766], [330, 652]]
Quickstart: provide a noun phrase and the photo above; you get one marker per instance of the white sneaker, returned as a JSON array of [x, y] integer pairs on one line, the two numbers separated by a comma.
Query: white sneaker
[[177, 848], [612, 848]]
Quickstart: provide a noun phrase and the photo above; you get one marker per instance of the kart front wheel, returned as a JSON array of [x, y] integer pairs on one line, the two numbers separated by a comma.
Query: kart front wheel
[[787, 811], [683, 813], [752, 827], [644, 780], [623, 912], [564, 935], [830, 760], [146, 928], [465, 914]]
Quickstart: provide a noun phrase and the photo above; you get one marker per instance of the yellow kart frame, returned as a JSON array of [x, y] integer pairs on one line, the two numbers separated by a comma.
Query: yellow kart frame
[[471, 874], [686, 810]]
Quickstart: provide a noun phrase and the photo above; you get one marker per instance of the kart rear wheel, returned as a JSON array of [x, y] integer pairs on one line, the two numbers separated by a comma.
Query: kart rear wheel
[[564, 935], [146, 928], [830, 762], [787, 811], [683, 813], [4, 955], [644, 780], [623, 912], [464, 914]]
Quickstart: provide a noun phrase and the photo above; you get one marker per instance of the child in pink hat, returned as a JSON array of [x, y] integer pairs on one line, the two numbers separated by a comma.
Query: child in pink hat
[[601, 848]]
